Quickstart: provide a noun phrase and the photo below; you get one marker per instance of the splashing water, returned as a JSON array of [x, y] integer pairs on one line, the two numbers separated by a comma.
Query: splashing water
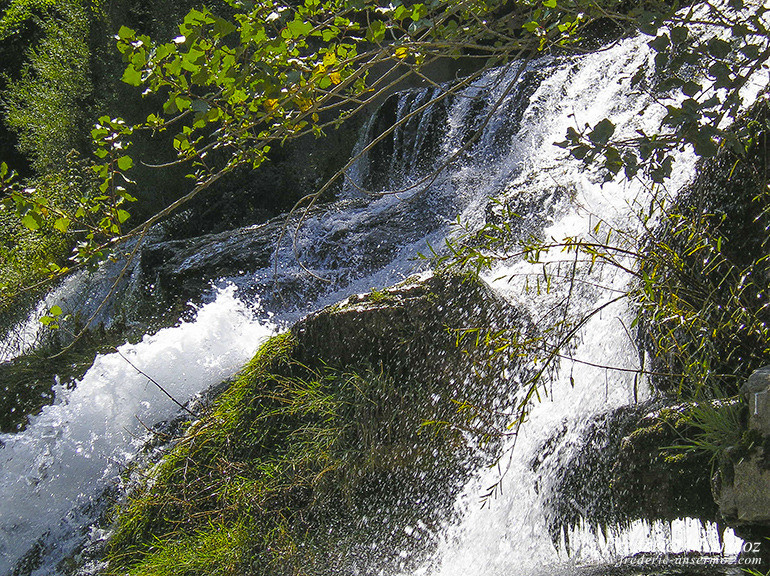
[[75, 448], [509, 534]]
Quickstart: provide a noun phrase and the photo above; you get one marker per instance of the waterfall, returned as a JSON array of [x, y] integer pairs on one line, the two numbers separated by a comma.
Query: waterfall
[[53, 472]]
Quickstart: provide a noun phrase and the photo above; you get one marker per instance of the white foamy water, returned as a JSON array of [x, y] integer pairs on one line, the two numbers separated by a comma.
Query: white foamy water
[[509, 535], [75, 448]]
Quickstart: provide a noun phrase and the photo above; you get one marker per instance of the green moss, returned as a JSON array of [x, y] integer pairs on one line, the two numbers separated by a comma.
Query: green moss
[[378, 296], [302, 465]]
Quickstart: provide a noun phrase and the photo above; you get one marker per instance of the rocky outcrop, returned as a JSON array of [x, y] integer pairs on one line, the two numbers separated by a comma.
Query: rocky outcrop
[[662, 461], [424, 328], [742, 483], [621, 468], [317, 458]]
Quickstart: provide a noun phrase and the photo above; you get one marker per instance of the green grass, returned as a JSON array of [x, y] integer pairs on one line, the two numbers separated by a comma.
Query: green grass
[[294, 468]]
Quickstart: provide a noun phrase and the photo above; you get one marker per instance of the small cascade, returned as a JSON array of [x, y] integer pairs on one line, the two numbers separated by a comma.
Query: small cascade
[[53, 473], [555, 198], [446, 158]]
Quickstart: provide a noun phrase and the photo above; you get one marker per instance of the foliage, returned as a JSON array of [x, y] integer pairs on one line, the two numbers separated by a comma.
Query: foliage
[[44, 106], [19, 12], [59, 69], [233, 87], [708, 53], [703, 291], [301, 466], [714, 427], [35, 246]]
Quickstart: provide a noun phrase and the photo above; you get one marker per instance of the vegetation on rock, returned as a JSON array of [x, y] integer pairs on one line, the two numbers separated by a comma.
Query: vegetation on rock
[[308, 462]]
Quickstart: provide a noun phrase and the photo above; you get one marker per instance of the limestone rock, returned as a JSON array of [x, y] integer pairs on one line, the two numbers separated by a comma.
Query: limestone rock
[[618, 470], [746, 500]]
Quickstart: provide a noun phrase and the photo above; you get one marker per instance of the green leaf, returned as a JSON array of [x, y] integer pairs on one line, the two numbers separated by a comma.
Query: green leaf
[[376, 31], [549, 3], [62, 224], [182, 103], [419, 11], [631, 165], [126, 33], [123, 216], [602, 132], [580, 152], [222, 27], [32, 220], [330, 33], [679, 34], [660, 43], [718, 48], [298, 29], [125, 162], [200, 106], [132, 76], [691, 88], [55, 311]]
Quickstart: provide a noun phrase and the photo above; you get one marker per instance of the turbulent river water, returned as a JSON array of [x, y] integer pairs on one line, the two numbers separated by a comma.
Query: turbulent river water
[[53, 473]]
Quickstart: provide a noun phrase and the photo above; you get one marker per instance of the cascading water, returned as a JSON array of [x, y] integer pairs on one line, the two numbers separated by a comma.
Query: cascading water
[[53, 472]]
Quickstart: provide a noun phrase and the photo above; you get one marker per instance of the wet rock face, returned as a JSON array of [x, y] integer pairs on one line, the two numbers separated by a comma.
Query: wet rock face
[[756, 390], [170, 274], [340, 242], [618, 471], [744, 494], [742, 485], [414, 329]]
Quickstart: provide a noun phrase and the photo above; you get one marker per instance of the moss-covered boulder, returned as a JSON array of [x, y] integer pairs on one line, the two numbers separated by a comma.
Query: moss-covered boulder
[[426, 328], [641, 462], [317, 458]]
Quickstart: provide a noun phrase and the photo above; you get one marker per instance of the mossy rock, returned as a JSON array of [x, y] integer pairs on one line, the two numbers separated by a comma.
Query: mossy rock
[[317, 458], [425, 329], [629, 464]]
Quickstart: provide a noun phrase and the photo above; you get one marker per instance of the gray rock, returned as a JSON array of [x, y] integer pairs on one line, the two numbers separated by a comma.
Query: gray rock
[[746, 500], [414, 329], [618, 470], [757, 393]]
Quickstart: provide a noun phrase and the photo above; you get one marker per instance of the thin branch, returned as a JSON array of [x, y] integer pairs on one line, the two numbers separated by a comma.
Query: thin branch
[[157, 384]]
